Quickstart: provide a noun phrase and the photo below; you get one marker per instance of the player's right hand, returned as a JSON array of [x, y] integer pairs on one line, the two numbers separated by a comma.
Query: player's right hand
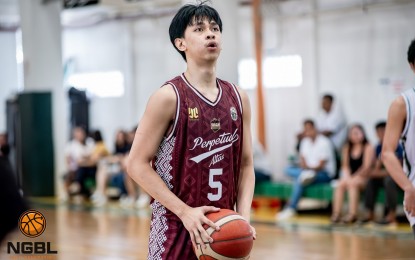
[[409, 201], [193, 220]]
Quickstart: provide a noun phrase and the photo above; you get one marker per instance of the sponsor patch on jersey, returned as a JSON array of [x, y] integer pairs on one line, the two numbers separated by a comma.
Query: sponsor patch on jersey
[[215, 124], [234, 115], [193, 113]]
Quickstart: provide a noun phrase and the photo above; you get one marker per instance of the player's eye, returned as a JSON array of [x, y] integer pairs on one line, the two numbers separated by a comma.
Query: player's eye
[[216, 29], [198, 29]]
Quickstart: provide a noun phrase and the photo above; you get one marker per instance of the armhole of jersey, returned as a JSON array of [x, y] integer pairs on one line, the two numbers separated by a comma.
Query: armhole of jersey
[[238, 96], [408, 115], [176, 118]]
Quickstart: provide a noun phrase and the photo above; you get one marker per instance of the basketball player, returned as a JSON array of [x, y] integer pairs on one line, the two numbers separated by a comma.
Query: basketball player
[[196, 132], [401, 125]]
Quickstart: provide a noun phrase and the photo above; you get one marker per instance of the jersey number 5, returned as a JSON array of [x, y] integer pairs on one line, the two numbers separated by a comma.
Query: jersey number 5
[[215, 184]]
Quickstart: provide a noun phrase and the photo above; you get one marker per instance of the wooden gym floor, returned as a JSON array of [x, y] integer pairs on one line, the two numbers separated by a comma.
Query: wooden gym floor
[[83, 232]]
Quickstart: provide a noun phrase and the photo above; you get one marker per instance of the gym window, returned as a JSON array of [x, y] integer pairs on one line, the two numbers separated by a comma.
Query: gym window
[[278, 72], [100, 84]]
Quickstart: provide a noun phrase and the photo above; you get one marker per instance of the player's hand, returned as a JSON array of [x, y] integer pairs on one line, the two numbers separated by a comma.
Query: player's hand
[[409, 200], [193, 220], [253, 232]]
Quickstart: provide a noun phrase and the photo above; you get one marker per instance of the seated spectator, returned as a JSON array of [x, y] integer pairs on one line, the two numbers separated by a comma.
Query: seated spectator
[[88, 164], [379, 177], [317, 165], [110, 168], [79, 147], [262, 166], [114, 168], [357, 159], [122, 146]]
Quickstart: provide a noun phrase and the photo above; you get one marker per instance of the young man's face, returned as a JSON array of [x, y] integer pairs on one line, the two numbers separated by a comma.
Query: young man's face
[[79, 134], [202, 41], [309, 130], [380, 132], [326, 104]]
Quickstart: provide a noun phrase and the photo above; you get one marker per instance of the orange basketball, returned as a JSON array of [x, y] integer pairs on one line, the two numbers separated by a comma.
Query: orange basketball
[[234, 240], [32, 223]]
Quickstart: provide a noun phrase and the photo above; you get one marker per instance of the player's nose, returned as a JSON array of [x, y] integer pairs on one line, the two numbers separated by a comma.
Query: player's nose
[[210, 35]]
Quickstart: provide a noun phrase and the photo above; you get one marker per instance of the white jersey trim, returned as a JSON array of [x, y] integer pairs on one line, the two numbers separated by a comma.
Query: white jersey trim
[[408, 115], [238, 96], [218, 98], [177, 110]]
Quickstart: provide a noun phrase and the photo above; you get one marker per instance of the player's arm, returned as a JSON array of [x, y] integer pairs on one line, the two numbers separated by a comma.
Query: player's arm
[[246, 183], [394, 127], [159, 113]]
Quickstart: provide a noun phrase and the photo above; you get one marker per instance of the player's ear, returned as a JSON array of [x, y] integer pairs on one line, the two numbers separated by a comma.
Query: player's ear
[[180, 44]]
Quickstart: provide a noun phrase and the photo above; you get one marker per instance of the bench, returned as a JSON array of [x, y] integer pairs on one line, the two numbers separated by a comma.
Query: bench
[[317, 191]]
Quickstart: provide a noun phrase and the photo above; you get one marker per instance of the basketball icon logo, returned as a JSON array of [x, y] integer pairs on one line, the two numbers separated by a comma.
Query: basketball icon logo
[[32, 223]]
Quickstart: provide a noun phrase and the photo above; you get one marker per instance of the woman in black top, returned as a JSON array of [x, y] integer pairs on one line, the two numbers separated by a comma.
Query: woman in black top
[[357, 158]]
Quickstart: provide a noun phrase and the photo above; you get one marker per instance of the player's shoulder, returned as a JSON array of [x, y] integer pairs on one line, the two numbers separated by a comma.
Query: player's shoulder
[[399, 103], [164, 94], [162, 102]]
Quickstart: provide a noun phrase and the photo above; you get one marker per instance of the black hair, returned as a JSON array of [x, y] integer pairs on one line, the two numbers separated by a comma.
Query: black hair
[[380, 124], [187, 16], [329, 97], [364, 141], [97, 136], [411, 52], [309, 121]]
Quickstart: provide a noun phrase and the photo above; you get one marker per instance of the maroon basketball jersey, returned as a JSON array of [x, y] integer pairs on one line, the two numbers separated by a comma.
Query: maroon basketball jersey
[[200, 159]]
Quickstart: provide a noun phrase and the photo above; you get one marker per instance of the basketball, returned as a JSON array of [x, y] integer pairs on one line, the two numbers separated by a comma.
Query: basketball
[[234, 240], [32, 223]]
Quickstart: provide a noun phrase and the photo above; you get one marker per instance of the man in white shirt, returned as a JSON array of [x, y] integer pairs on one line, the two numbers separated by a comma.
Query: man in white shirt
[[317, 165], [331, 122], [77, 149]]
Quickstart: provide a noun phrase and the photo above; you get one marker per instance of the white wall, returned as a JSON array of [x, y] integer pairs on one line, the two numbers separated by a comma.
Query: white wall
[[105, 47], [8, 72], [156, 60], [369, 47]]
